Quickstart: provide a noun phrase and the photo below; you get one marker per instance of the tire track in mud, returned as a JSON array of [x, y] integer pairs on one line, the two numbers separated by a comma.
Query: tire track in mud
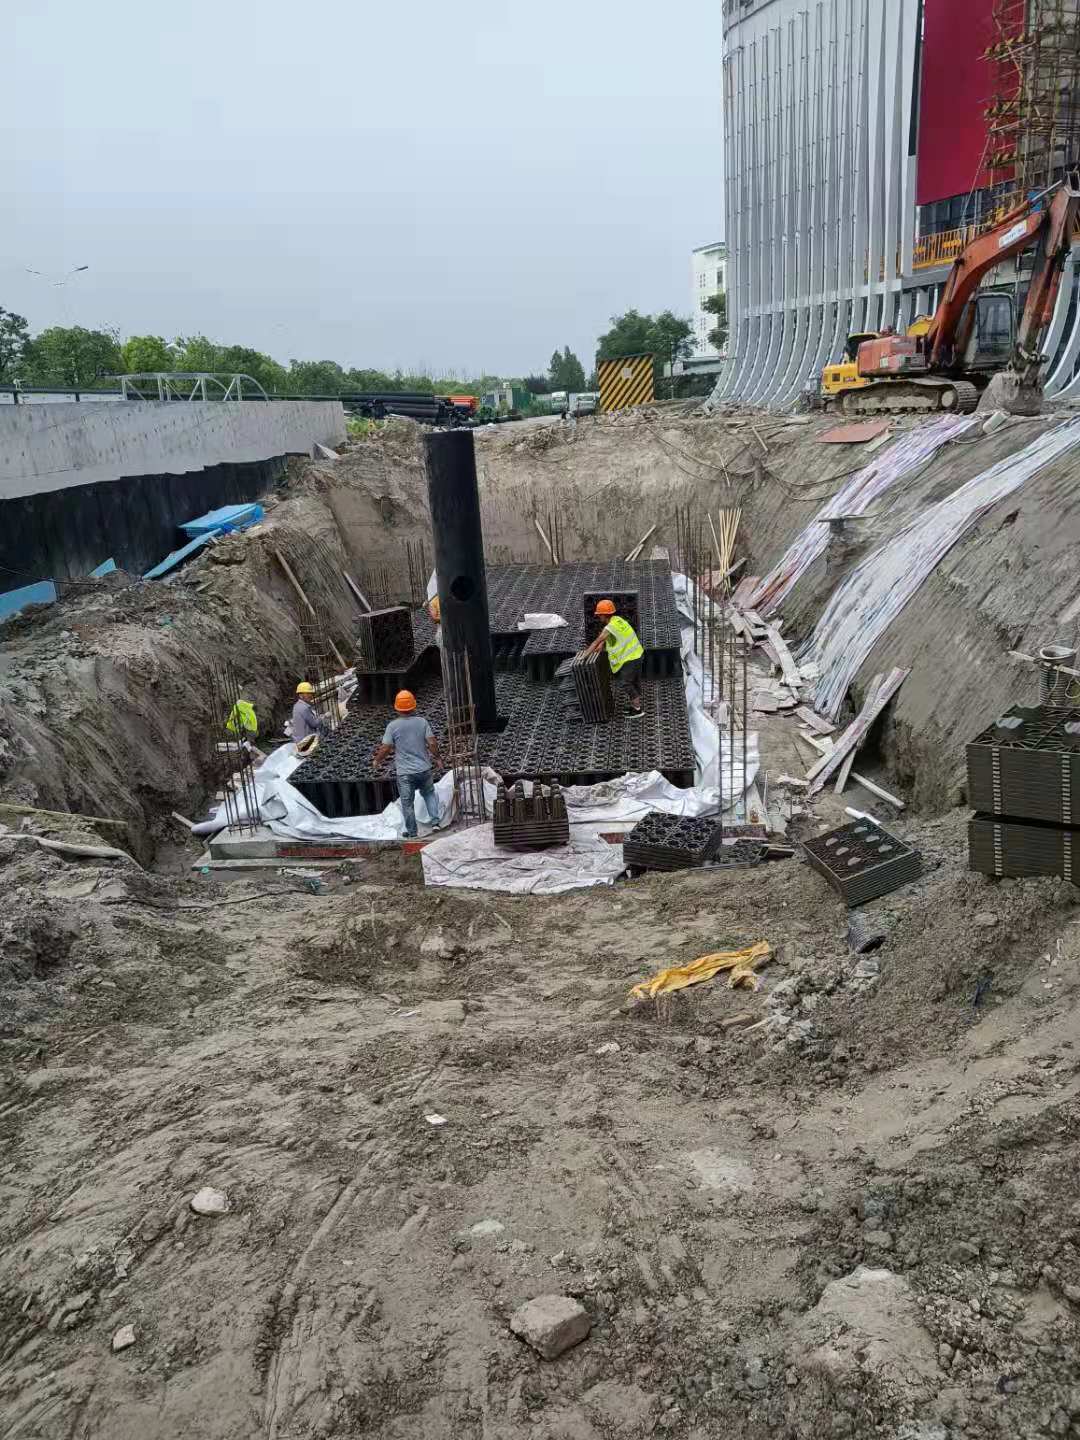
[[286, 1360]]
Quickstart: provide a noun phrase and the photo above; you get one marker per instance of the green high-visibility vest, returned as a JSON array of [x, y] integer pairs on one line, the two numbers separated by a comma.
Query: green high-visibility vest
[[624, 645], [242, 717]]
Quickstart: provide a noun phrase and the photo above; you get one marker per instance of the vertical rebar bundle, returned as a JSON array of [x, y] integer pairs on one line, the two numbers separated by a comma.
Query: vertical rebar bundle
[[231, 758], [460, 749], [416, 557], [320, 667]]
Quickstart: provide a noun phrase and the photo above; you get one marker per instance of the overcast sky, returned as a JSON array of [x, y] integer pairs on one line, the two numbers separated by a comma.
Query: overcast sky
[[422, 184]]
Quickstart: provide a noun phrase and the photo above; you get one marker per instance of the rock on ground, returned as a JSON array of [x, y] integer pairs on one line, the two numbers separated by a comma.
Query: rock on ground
[[869, 1321], [551, 1324], [209, 1201]]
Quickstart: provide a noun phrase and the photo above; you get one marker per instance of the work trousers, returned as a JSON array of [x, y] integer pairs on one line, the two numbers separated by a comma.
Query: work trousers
[[407, 786]]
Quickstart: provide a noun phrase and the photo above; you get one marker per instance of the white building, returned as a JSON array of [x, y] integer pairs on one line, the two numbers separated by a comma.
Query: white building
[[708, 265], [833, 109]]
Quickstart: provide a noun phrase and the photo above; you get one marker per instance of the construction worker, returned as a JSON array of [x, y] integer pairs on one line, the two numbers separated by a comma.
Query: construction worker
[[624, 652], [411, 741], [305, 720]]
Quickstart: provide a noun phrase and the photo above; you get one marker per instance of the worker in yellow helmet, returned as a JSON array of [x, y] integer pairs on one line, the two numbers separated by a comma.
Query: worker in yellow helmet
[[305, 719], [624, 651], [411, 741]]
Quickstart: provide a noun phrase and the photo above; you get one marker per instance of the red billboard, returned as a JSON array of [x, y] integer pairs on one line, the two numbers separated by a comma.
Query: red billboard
[[957, 85]]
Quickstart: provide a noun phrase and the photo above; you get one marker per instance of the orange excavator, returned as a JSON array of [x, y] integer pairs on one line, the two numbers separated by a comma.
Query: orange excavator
[[972, 344]]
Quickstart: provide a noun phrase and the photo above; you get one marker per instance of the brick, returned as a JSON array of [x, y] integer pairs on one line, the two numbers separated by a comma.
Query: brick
[[551, 1324]]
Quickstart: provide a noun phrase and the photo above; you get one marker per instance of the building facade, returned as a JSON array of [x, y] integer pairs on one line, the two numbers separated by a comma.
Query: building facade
[[855, 133], [708, 276]]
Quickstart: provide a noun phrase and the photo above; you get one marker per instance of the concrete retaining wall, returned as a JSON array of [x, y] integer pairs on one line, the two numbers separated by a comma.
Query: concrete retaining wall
[[52, 447]]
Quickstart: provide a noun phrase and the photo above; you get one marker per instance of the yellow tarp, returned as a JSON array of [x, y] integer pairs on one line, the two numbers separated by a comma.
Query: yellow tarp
[[741, 963]]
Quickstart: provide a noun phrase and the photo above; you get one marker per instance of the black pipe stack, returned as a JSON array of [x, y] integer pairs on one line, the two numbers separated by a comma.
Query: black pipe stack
[[459, 562]]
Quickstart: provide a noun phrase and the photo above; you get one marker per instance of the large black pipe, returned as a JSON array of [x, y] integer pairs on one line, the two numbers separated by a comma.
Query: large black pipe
[[459, 562]]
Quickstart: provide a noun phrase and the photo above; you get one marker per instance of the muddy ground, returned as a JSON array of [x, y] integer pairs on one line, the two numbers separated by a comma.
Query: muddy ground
[[858, 1218], [832, 1227]]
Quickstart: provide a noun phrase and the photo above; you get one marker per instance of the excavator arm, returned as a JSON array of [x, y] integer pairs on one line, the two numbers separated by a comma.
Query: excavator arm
[[1053, 225]]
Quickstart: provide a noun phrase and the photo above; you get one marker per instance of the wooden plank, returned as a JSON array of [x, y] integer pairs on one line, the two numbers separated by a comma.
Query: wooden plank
[[636, 551], [877, 790], [547, 542], [845, 769], [793, 782], [784, 657], [856, 731], [360, 596], [816, 723], [69, 815]]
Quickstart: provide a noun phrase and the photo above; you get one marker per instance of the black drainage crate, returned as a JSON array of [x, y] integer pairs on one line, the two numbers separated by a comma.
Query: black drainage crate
[[1027, 765], [385, 640], [592, 680], [530, 822], [998, 846], [672, 842], [862, 861]]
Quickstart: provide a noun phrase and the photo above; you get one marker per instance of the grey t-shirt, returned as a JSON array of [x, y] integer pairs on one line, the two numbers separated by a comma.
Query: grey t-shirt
[[409, 735], [305, 721]]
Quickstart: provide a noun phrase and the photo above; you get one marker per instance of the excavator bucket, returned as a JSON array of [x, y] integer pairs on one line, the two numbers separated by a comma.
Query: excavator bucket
[[1008, 391]]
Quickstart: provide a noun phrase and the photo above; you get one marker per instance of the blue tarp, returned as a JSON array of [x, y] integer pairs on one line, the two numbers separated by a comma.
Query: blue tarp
[[171, 561], [43, 592], [105, 568], [224, 520]]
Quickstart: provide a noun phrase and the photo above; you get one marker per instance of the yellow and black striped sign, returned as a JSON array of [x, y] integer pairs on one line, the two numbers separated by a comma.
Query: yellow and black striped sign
[[625, 382]]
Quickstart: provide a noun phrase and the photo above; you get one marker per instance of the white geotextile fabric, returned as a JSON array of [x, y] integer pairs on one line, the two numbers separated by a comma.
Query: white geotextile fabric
[[704, 731], [470, 860], [854, 498], [540, 620], [881, 585]]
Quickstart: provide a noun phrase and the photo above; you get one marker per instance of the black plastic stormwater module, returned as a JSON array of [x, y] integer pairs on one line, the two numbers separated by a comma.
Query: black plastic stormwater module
[[862, 861], [530, 822], [385, 640], [1027, 765], [541, 736], [592, 684], [672, 842], [1011, 847]]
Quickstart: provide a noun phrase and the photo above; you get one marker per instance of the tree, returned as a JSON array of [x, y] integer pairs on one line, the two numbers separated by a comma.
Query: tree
[[717, 305], [315, 377], [14, 334], [665, 336], [196, 352], [240, 360], [145, 354], [65, 355], [566, 371], [536, 384]]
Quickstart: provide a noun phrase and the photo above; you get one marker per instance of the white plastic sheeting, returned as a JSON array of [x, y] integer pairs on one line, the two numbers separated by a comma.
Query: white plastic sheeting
[[854, 498], [881, 585], [470, 860]]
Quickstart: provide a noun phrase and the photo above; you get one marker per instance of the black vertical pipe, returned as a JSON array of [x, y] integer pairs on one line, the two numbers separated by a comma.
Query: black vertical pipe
[[458, 538]]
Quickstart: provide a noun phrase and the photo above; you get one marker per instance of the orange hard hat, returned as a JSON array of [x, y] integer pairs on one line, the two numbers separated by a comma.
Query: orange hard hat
[[605, 607], [404, 701]]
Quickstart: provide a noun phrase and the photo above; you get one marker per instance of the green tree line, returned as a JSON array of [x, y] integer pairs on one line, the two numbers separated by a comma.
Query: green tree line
[[75, 356]]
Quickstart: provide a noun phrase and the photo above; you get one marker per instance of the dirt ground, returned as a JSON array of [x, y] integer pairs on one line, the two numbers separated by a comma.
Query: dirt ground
[[852, 1213]]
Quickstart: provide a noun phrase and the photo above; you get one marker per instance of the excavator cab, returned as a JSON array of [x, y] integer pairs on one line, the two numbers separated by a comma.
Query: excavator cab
[[987, 334]]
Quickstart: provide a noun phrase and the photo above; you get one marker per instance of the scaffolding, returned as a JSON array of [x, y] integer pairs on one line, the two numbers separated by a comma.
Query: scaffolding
[[1033, 120]]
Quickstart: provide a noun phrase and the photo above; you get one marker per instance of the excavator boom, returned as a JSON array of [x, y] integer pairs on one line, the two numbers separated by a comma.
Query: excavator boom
[[1052, 224]]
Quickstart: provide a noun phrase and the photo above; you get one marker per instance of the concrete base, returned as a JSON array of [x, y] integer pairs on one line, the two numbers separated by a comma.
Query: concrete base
[[259, 844]]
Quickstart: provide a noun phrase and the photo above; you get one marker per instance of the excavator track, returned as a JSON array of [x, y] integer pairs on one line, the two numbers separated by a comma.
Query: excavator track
[[912, 397]]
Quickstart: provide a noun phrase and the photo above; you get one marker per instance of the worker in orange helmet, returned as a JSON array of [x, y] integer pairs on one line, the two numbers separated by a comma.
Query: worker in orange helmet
[[624, 651], [411, 741]]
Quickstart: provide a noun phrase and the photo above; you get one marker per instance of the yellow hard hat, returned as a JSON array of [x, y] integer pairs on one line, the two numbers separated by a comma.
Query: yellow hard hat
[[305, 688], [404, 701], [605, 607], [434, 609]]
